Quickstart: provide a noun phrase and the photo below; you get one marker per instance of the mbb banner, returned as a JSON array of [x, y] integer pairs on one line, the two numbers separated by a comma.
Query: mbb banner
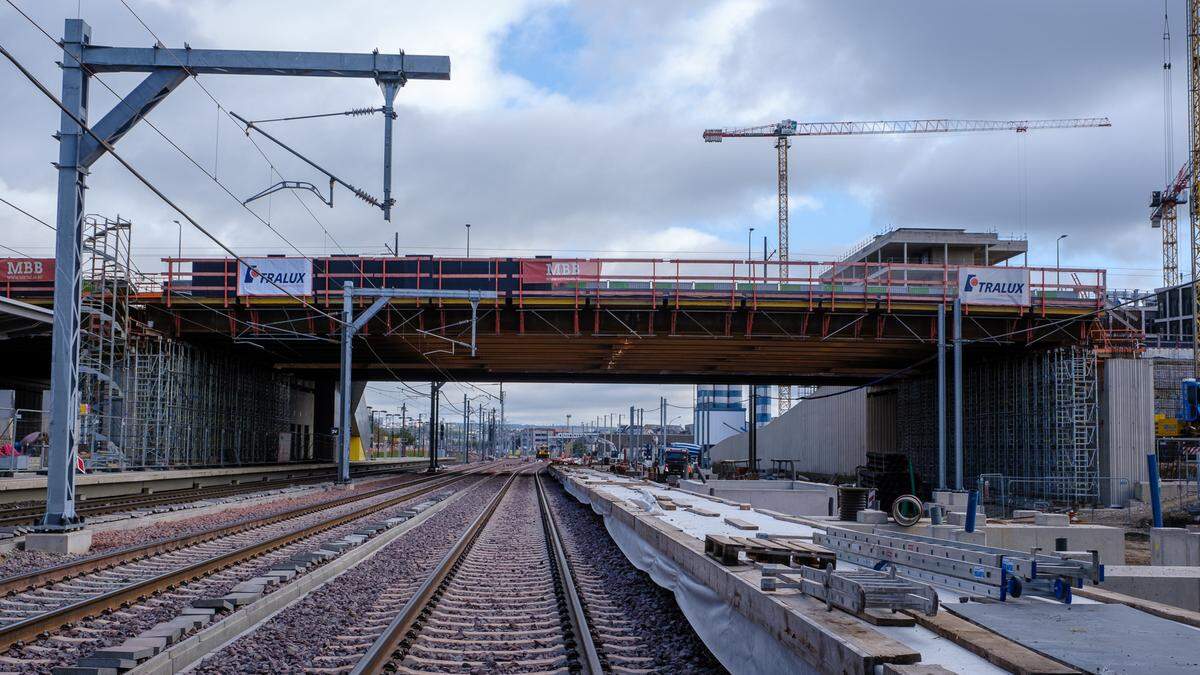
[[558, 271], [1007, 286], [26, 269], [274, 276]]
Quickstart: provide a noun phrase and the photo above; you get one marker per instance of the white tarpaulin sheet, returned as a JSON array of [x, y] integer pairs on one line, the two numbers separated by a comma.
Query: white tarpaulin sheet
[[1007, 286], [754, 650], [274, 277]]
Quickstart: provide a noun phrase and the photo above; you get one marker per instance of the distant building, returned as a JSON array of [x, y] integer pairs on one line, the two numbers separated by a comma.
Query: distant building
[[937, 246], [531, 438], [720, 412]]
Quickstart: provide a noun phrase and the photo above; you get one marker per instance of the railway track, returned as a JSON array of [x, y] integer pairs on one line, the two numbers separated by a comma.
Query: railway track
[[503, 599], [102, 506], [43, 601]]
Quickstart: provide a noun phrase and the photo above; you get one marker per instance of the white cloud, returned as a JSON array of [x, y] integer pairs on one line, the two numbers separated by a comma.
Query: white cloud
[[617, 163]]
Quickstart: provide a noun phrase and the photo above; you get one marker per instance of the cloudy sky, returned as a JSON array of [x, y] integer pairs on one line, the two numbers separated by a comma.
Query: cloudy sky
[[574, 128]]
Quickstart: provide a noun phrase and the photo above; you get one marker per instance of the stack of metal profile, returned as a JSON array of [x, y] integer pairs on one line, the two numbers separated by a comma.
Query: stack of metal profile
[[854, 591], [979, 570]]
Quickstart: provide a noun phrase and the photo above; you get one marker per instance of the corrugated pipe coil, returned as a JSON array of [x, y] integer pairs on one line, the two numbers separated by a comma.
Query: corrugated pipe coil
[[906, 510]]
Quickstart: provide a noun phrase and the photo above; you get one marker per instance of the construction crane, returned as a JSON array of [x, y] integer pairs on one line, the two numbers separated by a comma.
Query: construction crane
[[782, 131], [1193, 45], [1162, 215], [1163, 202]]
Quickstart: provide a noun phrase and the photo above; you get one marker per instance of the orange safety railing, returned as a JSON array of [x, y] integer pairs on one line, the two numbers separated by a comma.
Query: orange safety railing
[[603, 280]]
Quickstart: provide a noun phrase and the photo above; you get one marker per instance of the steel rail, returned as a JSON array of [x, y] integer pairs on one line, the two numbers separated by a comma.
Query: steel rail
[[566, 579], [385, 646], [31, 580], [36, 626], [102, 506]]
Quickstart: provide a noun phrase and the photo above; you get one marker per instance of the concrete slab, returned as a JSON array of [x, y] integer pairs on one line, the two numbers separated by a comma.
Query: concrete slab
[[799, 498], [134, 649], [1083, 635], [74, 542], [1176, 585], [83, 670], [1174, 546], [223, 604], [872, 516], [106, 662], [1109, 541], [1052, 519]]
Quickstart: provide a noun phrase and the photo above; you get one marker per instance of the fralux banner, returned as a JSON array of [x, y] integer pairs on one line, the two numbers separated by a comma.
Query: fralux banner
[[275, 277], [1008, 286]]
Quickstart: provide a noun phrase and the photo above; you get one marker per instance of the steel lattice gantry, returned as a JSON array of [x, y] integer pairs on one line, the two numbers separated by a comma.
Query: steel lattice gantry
[[81, 146]]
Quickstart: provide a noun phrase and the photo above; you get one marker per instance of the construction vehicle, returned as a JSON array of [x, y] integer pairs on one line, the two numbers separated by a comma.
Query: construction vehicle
[[677, 459]]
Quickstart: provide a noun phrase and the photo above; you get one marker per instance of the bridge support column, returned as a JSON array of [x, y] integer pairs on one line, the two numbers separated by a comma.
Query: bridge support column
[[435, 389], [941, 394], [325, 416], [958, 396]]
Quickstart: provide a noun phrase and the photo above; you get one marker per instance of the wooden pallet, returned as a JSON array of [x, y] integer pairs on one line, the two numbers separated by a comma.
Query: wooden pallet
[[807, 553], [791, 552], [723, 549]]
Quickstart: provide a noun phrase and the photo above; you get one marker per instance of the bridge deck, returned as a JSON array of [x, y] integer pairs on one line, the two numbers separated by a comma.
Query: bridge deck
[[618, 320]]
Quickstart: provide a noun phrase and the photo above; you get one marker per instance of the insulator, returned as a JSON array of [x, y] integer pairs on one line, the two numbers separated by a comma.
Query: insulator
[[361, 194], [361, 111]]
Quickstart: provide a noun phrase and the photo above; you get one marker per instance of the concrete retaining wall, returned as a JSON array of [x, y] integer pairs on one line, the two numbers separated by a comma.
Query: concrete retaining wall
[[1174, 546], [1178, 586], [825, 436]]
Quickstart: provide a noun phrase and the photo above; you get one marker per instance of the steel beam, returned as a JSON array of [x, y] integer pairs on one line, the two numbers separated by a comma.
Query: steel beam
[[344, 411], [389, 87], [101, 59], [941, 395], [64, 350], [958, 396], [135, 106]]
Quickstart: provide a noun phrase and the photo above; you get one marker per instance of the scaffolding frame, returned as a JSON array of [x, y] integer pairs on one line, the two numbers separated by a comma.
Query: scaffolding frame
[[1031, 417], [197, 407], [104, 337]]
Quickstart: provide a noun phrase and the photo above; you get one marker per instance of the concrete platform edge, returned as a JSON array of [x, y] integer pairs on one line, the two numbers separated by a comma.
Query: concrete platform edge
[[814, 643]]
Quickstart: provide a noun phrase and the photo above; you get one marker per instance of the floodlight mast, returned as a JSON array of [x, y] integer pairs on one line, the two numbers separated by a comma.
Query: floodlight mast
[[78, 150]]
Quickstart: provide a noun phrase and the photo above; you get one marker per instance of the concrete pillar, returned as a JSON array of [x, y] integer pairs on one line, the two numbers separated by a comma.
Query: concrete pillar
[[360, 420], [324, 417]]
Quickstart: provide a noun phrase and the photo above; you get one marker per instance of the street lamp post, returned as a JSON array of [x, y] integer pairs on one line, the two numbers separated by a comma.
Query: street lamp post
[[468, 240], [1058, 259], [179, 250]]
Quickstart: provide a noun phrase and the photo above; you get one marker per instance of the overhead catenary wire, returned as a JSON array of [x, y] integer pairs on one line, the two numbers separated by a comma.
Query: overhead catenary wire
[[30, 215], [353, 112], [170, 141], [143, 180], [230, 115]]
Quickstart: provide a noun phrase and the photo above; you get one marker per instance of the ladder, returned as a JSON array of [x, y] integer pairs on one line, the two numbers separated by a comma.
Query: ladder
[[854, 591], [979, 570]]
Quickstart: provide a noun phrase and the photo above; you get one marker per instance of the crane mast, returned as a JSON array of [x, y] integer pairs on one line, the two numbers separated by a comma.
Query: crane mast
[[1163, 213]]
